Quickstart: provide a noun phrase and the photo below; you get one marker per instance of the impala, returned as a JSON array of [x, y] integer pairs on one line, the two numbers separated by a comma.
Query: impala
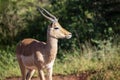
[[33, 54]]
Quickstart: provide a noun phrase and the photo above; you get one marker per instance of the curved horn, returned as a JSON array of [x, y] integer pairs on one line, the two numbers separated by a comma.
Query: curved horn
[[41, 11], [50, 14]]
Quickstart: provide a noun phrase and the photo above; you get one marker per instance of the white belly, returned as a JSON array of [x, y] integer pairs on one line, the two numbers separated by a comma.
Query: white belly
[[28, 61], [49, 65]]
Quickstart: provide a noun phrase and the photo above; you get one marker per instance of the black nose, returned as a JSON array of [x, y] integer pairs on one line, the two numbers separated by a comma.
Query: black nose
[[70, 34]]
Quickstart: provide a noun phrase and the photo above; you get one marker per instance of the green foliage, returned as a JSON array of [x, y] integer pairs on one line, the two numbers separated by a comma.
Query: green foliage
[[89, 22], [8, 63], [19, 19]]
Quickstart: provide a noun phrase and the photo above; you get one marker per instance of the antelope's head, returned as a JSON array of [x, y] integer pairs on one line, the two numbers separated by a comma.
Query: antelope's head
[[54, 29]]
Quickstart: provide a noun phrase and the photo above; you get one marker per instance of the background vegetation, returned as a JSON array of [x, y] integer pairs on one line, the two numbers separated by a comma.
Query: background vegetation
[[95, 26]]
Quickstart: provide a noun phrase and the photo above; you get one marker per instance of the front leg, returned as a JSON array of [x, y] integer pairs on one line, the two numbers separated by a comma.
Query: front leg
[[49, 73], [41, 74]]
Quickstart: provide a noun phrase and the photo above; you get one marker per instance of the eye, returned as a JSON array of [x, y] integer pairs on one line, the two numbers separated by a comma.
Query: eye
[[56, 28]]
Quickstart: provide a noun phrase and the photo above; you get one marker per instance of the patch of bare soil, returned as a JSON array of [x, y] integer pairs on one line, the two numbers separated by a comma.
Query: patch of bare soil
[[82, 76], [55, 77]]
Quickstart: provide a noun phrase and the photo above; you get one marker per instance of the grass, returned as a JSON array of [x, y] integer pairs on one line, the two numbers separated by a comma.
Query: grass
[[104, 61], [8, 63]]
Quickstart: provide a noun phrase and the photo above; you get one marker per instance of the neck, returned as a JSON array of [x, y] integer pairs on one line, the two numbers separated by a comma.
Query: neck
[[52, 45]]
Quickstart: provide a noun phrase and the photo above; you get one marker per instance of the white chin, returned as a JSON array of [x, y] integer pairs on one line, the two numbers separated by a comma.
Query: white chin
[[68, 37]]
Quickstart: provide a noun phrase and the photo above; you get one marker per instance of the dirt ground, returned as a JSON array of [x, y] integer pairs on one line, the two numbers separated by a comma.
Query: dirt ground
[[57, 77], [86, 75]]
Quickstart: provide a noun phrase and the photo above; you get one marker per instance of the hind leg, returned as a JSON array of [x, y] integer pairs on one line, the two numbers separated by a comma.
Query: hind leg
[[22, 68], [30, 74]]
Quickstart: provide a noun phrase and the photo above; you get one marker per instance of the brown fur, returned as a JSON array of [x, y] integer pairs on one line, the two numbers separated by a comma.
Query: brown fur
[[27, 46], [33, 53]]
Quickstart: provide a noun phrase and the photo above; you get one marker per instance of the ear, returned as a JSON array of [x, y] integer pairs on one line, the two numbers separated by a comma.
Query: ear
[[51, 25]]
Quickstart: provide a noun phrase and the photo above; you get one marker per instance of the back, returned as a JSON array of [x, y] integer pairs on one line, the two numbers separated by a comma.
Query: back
[[28, 46]]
